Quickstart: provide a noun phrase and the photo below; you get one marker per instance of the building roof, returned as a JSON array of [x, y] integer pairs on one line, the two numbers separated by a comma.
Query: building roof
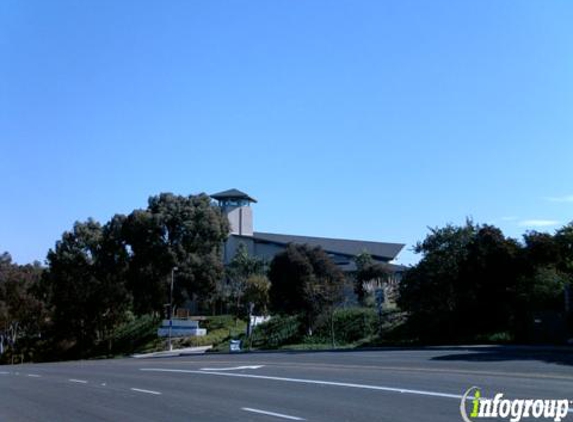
[[387, 251], [232, 194]]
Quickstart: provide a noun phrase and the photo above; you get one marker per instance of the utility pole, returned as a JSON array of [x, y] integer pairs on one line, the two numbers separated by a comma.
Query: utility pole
[[171, 305]]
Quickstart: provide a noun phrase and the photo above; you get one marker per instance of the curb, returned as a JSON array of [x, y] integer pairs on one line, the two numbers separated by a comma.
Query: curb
[[173, 353]]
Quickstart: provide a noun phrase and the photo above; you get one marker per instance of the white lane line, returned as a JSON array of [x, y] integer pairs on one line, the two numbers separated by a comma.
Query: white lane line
[[34, 376], [318, 382], [309, 381], [4, 373], [139, 390], [234, 368], [77, 381], [265, 412]]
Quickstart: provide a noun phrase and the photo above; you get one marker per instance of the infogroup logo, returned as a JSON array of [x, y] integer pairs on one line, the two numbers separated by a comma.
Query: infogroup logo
[[514, 409]]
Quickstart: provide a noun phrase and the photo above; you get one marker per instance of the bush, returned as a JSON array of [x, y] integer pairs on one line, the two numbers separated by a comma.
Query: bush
[[220, 321], [212, 338], [502, 337], [278, 331], [128, 337], [220, 329], [350, 325]]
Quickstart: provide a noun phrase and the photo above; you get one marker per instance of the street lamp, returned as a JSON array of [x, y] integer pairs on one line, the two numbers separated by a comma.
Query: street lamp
[[171, 305]]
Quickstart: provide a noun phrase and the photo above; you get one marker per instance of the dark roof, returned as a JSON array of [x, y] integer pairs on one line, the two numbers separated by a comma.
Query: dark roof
[[232, 194], [339, 246]]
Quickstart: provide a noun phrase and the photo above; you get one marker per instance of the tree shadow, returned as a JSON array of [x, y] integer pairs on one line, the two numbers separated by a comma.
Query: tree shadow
[[556, 355]]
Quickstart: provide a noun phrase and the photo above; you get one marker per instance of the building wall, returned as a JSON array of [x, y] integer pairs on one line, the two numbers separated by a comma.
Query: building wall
[[240, 219], [233, 243], [267, 251]]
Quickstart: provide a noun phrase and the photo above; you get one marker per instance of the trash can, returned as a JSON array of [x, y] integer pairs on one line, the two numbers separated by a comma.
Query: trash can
[[235, 346]]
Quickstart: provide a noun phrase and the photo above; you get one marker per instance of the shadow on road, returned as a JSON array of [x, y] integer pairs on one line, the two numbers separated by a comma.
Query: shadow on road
[[501, 354]]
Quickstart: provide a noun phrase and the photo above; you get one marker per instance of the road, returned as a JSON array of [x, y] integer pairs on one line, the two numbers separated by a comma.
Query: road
[[383, 385]]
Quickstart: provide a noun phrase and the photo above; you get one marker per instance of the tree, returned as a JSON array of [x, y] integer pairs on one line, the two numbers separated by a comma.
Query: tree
[[86, 284], [186, 232], [564, 240], [111, 269], [149, 261], [97, 273], [289, 271], [324, 290], [540, 249], [544, 285], [367, 270], [487, 281], [543, 290], [257, 288], [474, 281], [429, 291], [22, 314], [240, 269], [305, 280]]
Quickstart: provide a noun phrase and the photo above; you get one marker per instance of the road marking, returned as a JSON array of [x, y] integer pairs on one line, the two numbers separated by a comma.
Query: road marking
[[34, 376], [278, 415], [310, 381], [78, 381], [315, 365], [317, 382], [234, 368], [4, 373], [139, 390]]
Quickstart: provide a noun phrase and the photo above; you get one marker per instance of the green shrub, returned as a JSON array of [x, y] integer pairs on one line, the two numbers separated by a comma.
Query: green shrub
[[212, 338], [496, 338], [129, 336], [278, 331], [220, 329], [350, 325], [220, 321]]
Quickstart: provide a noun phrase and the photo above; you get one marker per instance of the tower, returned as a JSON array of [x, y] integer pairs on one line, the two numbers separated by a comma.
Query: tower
[[236, 205]]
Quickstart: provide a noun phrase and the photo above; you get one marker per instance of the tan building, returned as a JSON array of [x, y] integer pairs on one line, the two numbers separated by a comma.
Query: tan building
[[237, 206]]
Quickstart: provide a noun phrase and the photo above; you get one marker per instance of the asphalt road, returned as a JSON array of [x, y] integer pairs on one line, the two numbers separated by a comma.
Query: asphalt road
[[386, 385]]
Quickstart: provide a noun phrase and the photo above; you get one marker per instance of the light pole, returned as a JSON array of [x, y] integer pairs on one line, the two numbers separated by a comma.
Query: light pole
[[171, 305]]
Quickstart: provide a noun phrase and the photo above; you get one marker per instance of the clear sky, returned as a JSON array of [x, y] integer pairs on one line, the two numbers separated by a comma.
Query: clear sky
[[357, 119]]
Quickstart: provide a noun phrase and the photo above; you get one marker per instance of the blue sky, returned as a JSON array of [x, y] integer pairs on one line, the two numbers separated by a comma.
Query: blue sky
[[358, 119]]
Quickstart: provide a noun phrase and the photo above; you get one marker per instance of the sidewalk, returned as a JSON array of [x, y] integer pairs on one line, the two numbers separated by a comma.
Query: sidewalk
[[175, 352]]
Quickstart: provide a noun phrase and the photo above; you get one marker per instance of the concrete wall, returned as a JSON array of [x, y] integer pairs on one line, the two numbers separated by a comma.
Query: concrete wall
[[241, 220]]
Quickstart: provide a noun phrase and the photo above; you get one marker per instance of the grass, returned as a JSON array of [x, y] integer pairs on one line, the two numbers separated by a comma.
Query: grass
[[357, 327], [220, 331]]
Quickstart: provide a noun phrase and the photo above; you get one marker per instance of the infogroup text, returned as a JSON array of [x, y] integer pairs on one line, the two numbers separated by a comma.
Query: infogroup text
[[514, 409]]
